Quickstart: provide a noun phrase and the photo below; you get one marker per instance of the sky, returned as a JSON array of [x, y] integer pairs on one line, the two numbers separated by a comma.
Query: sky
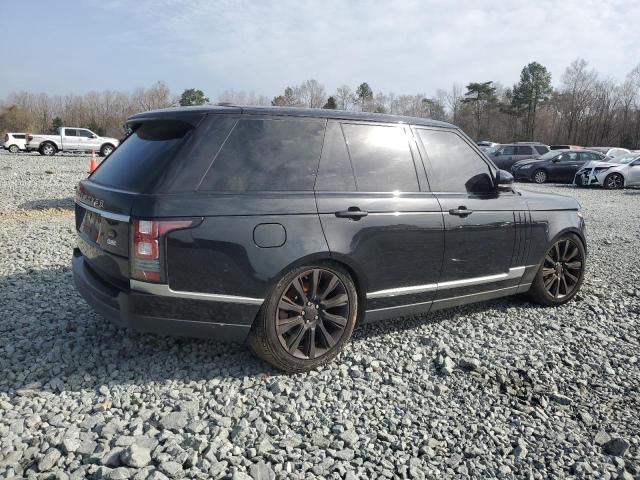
[[405, 46]]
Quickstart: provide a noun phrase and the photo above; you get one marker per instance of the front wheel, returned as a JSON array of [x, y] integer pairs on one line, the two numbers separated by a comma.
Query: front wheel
[[14, 149], [540, 176], [613, 181], [106, 150], [48, 149], [561, 273], [306, 320]]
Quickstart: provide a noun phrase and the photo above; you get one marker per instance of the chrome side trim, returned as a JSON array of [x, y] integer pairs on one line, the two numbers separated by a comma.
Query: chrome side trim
[[399, 306], [113, 216], [165, 291], [513, 273], [515, 289]]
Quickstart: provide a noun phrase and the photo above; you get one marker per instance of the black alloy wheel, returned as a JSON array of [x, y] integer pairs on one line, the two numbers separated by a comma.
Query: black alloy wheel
[[562, 271], [312, 314]]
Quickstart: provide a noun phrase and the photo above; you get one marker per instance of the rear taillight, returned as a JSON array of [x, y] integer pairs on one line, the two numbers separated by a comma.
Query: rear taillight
[[147, 255], [29, 138]]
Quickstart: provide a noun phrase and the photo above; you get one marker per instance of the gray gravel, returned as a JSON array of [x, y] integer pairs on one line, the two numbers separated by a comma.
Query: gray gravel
[[503, 389]]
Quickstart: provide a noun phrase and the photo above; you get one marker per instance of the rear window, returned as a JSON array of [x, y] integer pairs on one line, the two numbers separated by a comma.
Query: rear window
[[142, 156], [267, 155], [525, 150]]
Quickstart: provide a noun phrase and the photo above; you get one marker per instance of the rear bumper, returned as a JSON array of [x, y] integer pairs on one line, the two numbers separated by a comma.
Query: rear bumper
[[152, 313]]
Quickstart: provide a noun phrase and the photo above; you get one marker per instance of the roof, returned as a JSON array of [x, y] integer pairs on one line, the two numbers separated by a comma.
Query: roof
[[192, 114]]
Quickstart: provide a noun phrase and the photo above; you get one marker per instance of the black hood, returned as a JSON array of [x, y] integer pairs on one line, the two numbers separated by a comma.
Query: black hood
[[549, 201]]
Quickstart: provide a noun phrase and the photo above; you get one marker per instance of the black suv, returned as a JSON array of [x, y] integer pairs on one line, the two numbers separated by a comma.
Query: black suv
[[288, 227]]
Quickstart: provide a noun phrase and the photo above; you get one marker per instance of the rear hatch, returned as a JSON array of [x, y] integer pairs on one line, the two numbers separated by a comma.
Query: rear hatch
[[105, 200]]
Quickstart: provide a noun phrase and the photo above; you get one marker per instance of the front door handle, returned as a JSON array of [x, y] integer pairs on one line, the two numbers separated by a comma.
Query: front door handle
[[354, 213], [460, 211]]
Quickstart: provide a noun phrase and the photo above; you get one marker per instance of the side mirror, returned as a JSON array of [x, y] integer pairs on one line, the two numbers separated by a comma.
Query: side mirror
[[556, 160], [504, 180], [94, 136]]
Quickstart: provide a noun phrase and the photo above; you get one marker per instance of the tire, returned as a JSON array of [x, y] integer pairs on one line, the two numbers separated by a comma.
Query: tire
[[48, 149], [539, 176], [561, 272], [614, 181], [284, 330], [14, 149], [106, 150]]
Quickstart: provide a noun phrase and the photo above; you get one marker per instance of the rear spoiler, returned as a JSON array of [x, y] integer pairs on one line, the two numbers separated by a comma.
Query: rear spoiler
[[190, 116]]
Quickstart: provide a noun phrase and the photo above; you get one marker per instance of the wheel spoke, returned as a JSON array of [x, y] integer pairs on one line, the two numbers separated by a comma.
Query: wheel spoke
[[287, 324], [329, 341], [287, 304], [564, 282], [295, 343], [548, 271], [312, 342], [333, 283], [337, 319], [577, 265], [571, 276], [567, 244], [549, 282], [297, 284], [315, 282], [337, 301], [574, 252], [547, 258], [557, 290], [556, 251]]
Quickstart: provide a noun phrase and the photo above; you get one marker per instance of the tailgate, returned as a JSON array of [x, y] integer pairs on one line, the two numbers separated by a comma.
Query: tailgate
[[103, 233]]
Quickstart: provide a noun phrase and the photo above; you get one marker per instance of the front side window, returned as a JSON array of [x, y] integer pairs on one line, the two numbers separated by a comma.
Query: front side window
[[85, 133], [267, 155], [381, 158], [541, 149], [568, 157], [455, 166], [508, 150], [70, 132]]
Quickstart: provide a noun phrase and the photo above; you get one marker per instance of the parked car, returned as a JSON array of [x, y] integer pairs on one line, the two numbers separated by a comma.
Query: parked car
[[565, 147], [486, 144], [306, 223], [71, 139], [14, 142], [618, 172], [555, 166], [505, 155], [611, 152]]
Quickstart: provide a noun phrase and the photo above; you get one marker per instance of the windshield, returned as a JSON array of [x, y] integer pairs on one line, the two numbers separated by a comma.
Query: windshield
[[624, 159]]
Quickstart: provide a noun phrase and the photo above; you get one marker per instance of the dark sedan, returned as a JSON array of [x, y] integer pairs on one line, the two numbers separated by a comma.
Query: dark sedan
[[555, 166]]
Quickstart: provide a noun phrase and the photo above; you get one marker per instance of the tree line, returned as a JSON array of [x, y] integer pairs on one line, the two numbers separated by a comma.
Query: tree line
[[585, 108]]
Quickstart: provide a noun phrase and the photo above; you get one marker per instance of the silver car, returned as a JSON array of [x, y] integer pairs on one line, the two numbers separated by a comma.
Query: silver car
[[619, 172]]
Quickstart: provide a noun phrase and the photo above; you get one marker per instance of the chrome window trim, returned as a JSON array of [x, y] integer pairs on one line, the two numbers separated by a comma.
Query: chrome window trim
[[118, 217], [165, 291], [513, 273]]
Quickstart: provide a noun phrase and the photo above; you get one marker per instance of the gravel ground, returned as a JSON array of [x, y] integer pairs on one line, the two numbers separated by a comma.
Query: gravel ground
[[503, 389]]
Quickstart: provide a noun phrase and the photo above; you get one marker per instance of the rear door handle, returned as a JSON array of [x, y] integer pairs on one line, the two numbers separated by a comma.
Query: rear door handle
[[460, 211], [354, 213]]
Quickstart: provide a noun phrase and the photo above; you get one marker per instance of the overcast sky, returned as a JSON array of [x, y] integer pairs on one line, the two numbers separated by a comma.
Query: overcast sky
[[406, 46]]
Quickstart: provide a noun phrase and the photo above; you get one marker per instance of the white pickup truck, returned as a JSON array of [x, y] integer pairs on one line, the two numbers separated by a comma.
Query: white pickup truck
[[71, 139]]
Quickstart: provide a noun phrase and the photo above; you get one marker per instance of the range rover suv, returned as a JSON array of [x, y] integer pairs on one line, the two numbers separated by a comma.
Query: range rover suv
[[287, 228]]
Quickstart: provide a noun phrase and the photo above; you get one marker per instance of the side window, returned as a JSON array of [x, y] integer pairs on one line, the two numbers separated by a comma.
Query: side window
[[508, 150], [381, 158], [70, 132], [20, 137], [85, 133], [587, 156], [335, 172], [455, 166], [525, 150], [267, 155]]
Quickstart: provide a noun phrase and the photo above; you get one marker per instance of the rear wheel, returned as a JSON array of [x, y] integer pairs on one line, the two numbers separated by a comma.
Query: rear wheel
[[14, 149], [48, 149], [539, 176], [561, 273], [613, 181], [307, 319]]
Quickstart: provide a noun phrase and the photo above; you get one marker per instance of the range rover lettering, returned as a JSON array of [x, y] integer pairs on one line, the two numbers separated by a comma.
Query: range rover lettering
[[287, 228]]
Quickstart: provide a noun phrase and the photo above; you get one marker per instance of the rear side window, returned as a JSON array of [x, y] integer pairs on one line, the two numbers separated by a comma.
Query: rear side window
[[19, 137], [541, 149], [381, 158], [335, 167], [524, 150], [138, 161], [455, 166], [267, 155], [70, 132]]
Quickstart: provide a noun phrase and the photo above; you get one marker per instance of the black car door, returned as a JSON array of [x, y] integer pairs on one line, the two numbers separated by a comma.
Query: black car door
[[486, 230], [378, 216], [564, 167]]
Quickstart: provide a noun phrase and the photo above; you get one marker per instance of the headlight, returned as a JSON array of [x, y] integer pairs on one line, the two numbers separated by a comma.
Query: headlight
[[600, 169], [524, 167]]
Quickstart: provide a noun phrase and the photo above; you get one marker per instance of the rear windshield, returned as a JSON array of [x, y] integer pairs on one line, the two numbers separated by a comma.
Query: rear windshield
[[137, 162]]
